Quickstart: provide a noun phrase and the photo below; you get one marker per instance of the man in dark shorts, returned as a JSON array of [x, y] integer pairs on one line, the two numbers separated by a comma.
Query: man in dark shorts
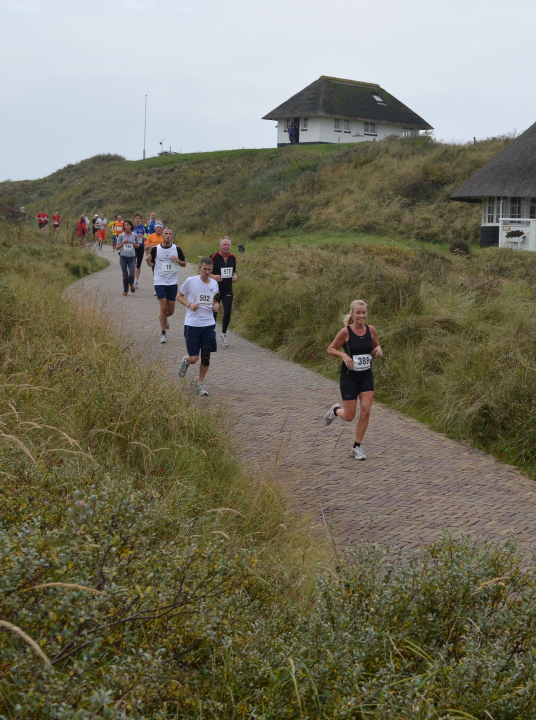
[[166, 258], [197, 294], [224, 272], [42, 219]]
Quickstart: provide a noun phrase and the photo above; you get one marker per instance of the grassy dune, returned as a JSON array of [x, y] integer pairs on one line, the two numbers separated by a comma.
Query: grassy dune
[[397, 187]]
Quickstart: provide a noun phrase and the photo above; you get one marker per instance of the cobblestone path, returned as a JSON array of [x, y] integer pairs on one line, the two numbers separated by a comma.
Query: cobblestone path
[[414, 484]]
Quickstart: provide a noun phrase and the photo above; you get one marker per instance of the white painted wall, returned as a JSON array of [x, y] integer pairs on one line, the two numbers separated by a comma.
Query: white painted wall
[[322, 129]]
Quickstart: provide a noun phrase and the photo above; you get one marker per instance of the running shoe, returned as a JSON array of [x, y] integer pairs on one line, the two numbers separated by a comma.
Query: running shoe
[[163, 338], [125, 294], [133, 289], [200, 389], [330, 416], [357, 453], [224, 341], [183, 368], [136, 284]]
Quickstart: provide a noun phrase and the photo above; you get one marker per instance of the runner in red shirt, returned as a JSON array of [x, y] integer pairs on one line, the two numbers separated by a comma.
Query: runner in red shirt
[[56, 221], [42, 219]]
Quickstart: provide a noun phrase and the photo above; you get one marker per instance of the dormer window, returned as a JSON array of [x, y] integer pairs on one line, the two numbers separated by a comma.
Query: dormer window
[[378, 99]]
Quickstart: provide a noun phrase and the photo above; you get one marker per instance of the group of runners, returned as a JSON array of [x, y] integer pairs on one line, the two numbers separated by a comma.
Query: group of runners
[[42, 220], [204, 294], [201, 294]]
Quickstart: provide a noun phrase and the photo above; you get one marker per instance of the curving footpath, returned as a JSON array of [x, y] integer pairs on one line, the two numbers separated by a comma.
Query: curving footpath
[[415, 483]]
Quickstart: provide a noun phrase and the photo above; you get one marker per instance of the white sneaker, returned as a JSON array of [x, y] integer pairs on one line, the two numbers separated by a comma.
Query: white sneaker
[[330, 416], [224, 341], [136, 284], [357, 453], [183, 368], [163, 338], [200, 389]]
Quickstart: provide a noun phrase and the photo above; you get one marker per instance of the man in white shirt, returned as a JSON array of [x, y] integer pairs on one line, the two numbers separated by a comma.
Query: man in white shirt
[[166, 259], [197, 294]]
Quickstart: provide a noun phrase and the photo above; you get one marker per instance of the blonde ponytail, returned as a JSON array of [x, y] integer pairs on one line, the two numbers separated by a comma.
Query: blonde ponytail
[[347, 319]]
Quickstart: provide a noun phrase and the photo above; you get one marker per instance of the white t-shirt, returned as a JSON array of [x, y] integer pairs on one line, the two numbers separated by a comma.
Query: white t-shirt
[[101, 224], [166, 272], [195, 290]]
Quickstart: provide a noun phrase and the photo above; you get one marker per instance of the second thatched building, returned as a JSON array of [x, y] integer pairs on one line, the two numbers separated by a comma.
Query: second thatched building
[[506, 188]]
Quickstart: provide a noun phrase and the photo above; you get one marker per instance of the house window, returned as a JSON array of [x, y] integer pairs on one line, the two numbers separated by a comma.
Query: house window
[[370, 128], [337, 125], [407, 132], [515, 207], [346, 125], [532, 208], [289, 120], [491, 210], [305, 124]]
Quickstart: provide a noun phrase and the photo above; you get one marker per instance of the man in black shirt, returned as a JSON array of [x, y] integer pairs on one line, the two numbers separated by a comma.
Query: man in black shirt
[[224, 272]]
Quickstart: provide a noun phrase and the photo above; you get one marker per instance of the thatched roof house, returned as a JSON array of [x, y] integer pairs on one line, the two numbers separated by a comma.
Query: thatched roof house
[[506, 187], [334, 110]]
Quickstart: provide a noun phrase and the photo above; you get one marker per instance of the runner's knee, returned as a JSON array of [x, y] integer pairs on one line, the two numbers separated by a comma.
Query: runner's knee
[[205, 357], [193, 359]]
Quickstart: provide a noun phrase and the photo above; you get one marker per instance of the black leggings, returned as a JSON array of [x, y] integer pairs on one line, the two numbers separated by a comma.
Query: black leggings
[[226, 299], [127, 267], [140, 253]]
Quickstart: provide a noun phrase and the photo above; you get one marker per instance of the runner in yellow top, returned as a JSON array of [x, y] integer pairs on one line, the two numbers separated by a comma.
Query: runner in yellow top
[[112, 231]]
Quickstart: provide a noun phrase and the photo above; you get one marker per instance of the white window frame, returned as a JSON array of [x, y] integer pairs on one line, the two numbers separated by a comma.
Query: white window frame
[[287, 123], [516, 202], [337, 124], [346, 126], [407, 132], [305, 123], [370, 128]]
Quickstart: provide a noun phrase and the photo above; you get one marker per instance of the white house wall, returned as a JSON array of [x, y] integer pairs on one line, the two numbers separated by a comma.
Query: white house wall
[[322, 130]]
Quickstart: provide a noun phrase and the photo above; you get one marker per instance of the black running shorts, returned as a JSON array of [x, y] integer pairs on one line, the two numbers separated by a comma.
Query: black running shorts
[[352, 385]]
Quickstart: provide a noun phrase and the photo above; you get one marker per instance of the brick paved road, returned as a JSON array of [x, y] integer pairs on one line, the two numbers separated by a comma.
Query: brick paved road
[[414, 484]]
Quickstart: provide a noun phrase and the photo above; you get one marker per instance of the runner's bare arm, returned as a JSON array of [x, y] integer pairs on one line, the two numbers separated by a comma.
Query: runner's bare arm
[[377, 350], [217, 278], [183, 301], [333, 349], [235, 278]]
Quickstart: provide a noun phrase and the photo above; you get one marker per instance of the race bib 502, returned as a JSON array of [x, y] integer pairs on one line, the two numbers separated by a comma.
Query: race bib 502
[[204, 299]]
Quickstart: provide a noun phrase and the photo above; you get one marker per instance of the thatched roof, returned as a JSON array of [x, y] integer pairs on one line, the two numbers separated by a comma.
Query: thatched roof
[[350, 100], [511, 173]]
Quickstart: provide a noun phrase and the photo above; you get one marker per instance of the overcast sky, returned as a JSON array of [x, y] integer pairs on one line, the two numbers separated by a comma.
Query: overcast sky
[[78, 71]]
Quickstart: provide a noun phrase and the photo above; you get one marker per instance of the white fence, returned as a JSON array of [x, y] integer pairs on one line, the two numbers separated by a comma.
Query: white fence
[[517, 234]]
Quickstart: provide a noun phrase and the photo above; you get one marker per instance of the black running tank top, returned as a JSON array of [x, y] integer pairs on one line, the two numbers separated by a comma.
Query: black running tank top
[[358, 345]]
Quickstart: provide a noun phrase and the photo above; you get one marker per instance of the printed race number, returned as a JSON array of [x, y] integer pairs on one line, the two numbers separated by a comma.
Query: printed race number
[[362, 362], [169, 267], [128, 247], [226, 272], [204, 299]]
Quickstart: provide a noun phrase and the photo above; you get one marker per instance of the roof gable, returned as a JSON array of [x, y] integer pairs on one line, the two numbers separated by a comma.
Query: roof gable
[[350, 99], [511, 173]]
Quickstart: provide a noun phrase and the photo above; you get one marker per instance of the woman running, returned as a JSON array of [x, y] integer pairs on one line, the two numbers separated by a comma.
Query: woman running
[[126, 246], [142, 231], [359, 341]]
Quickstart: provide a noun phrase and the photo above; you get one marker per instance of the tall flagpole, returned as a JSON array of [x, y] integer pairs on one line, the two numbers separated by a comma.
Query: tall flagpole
[[144, 127]]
